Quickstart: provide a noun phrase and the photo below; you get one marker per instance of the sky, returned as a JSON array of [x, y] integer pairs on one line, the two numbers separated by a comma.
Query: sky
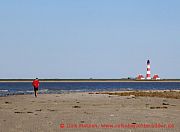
[[89, 38]]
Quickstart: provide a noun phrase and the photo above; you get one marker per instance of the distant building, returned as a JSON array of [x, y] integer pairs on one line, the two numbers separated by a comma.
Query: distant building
[[140, 77], [156, 77]]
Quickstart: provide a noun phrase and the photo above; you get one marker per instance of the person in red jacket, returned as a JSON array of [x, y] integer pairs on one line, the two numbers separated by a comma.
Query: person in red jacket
[[35, 83]]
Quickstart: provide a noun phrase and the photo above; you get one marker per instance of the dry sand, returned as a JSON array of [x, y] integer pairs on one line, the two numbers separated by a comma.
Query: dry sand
[[24, 113]]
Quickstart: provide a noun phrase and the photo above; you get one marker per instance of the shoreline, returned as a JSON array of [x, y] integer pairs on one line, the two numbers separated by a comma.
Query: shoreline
[[73, 81], [136, 93]]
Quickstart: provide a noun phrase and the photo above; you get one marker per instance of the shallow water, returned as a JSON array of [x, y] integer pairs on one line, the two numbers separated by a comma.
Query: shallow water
[[10, 88]]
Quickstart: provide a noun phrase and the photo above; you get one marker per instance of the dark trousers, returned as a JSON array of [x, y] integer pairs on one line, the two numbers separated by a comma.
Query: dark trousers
[[35, 91]]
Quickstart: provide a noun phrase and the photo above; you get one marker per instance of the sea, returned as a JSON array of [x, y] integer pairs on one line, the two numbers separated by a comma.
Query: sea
[[14, 88]]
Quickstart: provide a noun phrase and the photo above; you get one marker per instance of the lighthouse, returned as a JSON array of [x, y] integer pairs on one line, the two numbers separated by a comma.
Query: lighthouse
[[148, 74]]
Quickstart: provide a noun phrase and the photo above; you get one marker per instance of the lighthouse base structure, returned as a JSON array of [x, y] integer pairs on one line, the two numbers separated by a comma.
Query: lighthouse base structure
[[148, 78]]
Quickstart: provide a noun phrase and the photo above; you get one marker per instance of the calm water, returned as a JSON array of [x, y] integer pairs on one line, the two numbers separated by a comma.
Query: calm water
[[61, 87]]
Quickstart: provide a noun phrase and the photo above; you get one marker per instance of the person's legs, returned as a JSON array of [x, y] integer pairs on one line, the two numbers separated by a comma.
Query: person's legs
[[35, 92]]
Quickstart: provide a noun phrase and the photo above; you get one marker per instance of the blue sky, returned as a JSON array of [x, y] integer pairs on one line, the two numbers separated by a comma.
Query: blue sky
[[89, 38]]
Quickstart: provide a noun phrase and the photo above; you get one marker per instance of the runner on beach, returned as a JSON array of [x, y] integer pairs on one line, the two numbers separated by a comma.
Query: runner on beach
[[35, 83]]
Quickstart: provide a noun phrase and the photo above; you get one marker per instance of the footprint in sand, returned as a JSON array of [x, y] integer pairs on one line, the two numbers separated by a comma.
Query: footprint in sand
[[87, 112], [50, 110], [165, 104], [7, 102], [19, 112], [76, 106], [38, 110], [133, 123], [29, 112], [158, 107]]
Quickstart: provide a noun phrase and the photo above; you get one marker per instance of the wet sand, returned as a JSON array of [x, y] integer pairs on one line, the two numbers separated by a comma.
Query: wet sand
[[89, 112]]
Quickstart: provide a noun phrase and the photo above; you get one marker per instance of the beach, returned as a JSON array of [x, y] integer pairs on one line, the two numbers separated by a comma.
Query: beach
[[90, 112]]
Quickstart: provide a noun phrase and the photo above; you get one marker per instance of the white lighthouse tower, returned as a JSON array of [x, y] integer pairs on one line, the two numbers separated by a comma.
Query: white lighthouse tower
[[148, 74]]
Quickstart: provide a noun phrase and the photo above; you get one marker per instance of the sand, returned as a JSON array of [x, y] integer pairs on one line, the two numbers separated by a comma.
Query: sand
[[88, 112]]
